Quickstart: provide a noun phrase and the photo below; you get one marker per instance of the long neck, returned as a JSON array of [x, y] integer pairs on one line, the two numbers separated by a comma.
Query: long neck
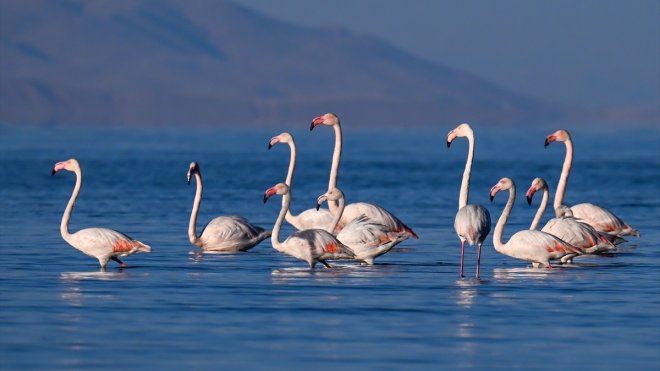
[[499, 228], [465, 183], [192, 234], [334, 169], [563, 178], [275, 235], [336, 216], [292, 219], [541, 210], [64, 226]]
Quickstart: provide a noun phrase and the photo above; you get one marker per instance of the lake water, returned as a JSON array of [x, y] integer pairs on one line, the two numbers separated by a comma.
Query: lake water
[[176, 308]]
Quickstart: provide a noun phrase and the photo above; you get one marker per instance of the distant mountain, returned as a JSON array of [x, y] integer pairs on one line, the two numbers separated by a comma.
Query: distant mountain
[[209, 62]]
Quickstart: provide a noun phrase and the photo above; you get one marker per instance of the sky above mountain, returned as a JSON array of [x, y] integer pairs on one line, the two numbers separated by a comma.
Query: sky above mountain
[[588, 52]]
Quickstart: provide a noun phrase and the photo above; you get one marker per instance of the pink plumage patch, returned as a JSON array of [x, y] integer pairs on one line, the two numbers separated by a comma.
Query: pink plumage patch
[[124, 246], [331, 248]]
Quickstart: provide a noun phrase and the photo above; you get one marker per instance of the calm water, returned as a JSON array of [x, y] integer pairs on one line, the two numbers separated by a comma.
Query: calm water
[[261, 309]]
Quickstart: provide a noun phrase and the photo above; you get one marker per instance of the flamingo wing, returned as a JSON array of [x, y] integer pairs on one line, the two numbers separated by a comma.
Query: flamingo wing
[[578, 234], [105, 242], [230, 228], [602, 219], [472, 222], [317, 244], [313, 219], [538, 246], [376, 214]]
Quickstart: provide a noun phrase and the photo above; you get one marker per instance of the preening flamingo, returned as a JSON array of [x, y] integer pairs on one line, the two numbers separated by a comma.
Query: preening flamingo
[[101, 243], [598, 217], [308, 219], [366, 238], [357, 209], [311, 245], [534, 246], [472, 222], [567, 228], [224, 233]]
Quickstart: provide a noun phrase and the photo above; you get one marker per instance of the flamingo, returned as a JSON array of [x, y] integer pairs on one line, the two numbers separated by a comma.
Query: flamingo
[[598, 217], [534, 246], [358, 209], [308, 219], [223, 233], [472, 222], [311, 245], [103, 244], [567, 228], [366, 238]]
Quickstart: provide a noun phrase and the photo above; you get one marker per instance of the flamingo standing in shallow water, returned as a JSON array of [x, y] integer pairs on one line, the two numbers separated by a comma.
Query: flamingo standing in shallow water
[[308, 219], [311, 245], [534, 246], [224, 233], [358, 209], [567, 228], [472, 222], [598, 217], [366, 238], [101, 243]]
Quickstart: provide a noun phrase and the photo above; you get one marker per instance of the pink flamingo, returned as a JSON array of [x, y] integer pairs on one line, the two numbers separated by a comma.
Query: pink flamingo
[[567, 228], [308, 219], [472, 222], [534, 246], [355, 210], [311, 245], [598, 217], [366, 238], [224, 233], [101, 243]]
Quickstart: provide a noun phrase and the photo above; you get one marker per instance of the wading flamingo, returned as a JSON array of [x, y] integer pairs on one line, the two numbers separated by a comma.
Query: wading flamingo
[[534, 246], [101, 243], [472, 222], [567, 228], [308, 219], [598, 217], [311, 245], [223, 233], [366, 238], [357, 209]]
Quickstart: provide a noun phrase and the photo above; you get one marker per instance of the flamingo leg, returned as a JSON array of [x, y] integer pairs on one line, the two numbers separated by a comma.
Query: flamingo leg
[[462, 251], [325, 263], [478, 259], [121, 263]]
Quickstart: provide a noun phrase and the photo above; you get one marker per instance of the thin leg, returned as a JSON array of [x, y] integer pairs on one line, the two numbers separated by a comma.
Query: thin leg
[[478, 258], [325, 263], [121, 263], [462, 251]]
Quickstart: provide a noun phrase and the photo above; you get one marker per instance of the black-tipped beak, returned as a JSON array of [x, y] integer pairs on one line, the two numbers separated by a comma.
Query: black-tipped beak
[[265, 198], [546, 143], [318, 206], [448, 144], [492, 198], [270, 145], [53, 172], [311, 127], [529, 200]]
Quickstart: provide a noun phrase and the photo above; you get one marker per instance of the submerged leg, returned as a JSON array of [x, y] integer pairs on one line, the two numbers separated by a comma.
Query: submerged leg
[[325, 263], [121, 263], [462, 251], [478, 258]]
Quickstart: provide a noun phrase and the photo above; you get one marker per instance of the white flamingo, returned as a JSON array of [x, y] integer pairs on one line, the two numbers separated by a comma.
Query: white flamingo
[[366, 238], [472, 222], [567, 228], [598, 217], [101, 243], [534, 246], [311, 245], [224, 233], [310, 218], [357, 209]]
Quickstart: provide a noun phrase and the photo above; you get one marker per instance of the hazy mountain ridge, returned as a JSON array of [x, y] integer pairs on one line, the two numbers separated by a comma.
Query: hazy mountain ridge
[[206, 62]]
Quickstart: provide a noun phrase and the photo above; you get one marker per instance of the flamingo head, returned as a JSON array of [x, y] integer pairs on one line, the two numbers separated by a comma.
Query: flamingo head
[[557, 136], [460, 131], [563, 211], [282, 138], [70, 165], [334, 194], [502, 185], [329, 119], [277, 189], [193, 169], [537, 185]]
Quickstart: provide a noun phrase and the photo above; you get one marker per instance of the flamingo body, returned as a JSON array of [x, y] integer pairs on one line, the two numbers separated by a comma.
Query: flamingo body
[[101, 243], [224, 233]]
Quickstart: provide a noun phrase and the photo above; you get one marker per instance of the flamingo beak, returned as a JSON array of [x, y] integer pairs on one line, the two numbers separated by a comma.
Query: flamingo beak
[[549, 139], [273, 141], [53, 172], [320, 200], [530, 194], [269, 192], [493, 191], [58, 166], [316, 121], [450, 138], [318, 206], [188, 176]]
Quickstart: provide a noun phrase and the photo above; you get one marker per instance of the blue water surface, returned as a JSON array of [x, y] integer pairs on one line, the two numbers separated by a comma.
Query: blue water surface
[[178, 308]]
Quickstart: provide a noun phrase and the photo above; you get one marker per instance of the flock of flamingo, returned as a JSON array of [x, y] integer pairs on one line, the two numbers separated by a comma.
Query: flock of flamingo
[[363, 231]]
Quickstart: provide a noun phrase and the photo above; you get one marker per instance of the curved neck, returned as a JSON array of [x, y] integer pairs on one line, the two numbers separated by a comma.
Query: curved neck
[[292, 219], [499, 228], [192, 234], [275, 235], [336, 217], [334, 169], [563, 178], [465, 183], [541, 210], [64, 225]]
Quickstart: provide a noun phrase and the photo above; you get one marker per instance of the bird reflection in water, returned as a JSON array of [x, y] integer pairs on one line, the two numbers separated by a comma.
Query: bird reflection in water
[[512, 274]]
